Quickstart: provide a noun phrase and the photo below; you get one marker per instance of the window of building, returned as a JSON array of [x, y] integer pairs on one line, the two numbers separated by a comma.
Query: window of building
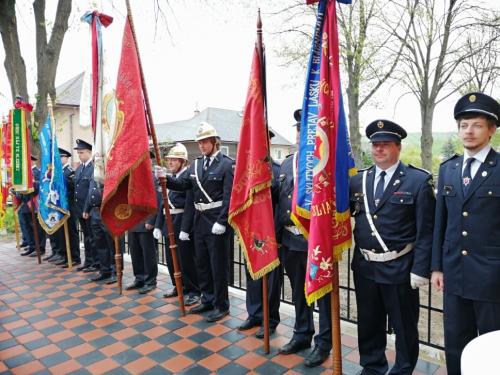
[[224, 150]]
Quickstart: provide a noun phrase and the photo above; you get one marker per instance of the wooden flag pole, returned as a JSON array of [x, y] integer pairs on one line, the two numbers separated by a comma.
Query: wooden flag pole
[[335, 303], [16, 225], [265, 294], [265, 313], [35, 231], [163, 182], [118, 263]]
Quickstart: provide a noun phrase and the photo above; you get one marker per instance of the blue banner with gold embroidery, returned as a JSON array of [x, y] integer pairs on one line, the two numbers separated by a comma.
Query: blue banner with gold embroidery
[[52, 199], [301, 204]]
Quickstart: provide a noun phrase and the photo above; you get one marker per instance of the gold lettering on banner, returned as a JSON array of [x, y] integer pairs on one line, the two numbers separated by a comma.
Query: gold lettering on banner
[[323, 208], [123, 211]]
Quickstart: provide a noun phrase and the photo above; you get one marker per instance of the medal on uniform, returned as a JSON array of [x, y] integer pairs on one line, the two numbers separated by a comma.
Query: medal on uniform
[[466, 180], [357, 207]]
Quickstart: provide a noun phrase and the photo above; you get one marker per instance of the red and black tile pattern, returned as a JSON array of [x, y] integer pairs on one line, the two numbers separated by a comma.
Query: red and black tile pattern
[[58, 321]]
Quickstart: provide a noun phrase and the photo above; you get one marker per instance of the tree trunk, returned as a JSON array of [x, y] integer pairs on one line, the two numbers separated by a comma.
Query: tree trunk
[[47, 54], [14, 62], [426, 140], [354, 135]]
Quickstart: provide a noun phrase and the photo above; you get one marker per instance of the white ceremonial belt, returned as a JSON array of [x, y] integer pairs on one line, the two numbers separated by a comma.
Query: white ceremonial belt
[[207, 206], [293, 229], [371, 256], [175, 211]]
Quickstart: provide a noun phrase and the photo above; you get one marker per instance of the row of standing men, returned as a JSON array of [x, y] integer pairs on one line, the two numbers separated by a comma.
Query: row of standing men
[[401, 238]]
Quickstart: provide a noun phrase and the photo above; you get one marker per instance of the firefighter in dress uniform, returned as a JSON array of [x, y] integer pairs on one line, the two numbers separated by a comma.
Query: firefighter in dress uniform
[[181, 207], [60, 239], [83, 175], [26, 200], [144, 250], [393, 207], [211, 178], [466, 245], [275, 280], [294, 252]]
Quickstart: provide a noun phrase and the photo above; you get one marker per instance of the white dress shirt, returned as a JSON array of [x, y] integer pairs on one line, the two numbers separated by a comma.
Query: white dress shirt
[[388, 175], [480, 158]]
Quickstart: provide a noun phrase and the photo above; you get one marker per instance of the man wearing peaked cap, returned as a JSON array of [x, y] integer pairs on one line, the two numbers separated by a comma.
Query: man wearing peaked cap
[[82, 145], [84, 174], [393, 207], [64, 153], [385, 131], [466, 250], [74, 241]]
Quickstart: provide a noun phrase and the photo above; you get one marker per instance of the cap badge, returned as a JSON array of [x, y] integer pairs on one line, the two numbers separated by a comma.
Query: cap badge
[[472, 98], [380, 124]]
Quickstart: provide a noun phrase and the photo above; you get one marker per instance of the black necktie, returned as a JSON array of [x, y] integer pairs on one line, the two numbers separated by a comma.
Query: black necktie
[[379, 191], [83, 168], [467, 176], [207, 163]]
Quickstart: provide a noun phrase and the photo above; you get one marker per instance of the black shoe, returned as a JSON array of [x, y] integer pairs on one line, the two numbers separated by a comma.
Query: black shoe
[[24, 244], [113, 279], [316, 357], [60, 262], [294, 346], [146, 289], [90, 269], [201, 308], [248, 324], [171, 293], [216, 315], [84, 267], [260, 333], [33, 254], [100, 277], [134, 285], [74, 263], [56, 258], [47, 258], [191, 300], [27, 252]]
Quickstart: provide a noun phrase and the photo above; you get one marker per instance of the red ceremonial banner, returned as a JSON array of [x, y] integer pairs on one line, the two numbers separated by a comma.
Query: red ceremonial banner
[[129, 193], [250, 209], [330, 221]]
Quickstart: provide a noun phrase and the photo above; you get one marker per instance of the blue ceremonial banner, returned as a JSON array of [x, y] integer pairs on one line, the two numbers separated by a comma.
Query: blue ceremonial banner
[[301, 207], [52, 199]]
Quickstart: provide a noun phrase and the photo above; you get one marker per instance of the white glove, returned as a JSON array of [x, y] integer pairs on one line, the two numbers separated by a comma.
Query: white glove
[[160, 172], [183, 236], [417, 281], [157, 233], [218, 228]]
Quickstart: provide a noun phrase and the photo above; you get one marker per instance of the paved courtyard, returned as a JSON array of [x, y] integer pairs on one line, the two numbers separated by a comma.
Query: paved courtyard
[[55, 321]]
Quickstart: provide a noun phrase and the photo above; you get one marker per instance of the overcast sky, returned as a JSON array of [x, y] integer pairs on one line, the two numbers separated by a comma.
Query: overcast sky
[[202, 60]]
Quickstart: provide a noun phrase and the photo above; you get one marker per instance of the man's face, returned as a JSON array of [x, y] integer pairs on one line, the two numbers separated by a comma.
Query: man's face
[[84, 155], [475, 133], [174, 164], [206, 146], [385, 153], [64, 160]]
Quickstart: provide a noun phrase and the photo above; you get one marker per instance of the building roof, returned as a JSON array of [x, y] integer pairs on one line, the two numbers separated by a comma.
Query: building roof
[[227, 122], [70, 91]]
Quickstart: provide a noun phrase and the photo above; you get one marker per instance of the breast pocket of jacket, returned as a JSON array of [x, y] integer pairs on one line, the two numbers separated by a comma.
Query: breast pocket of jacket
[[448, 191], [215, 180], [401, 199], [488, 191]]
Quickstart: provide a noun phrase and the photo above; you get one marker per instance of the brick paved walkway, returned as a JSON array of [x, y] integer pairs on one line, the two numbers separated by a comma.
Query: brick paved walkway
[[57, 321]]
